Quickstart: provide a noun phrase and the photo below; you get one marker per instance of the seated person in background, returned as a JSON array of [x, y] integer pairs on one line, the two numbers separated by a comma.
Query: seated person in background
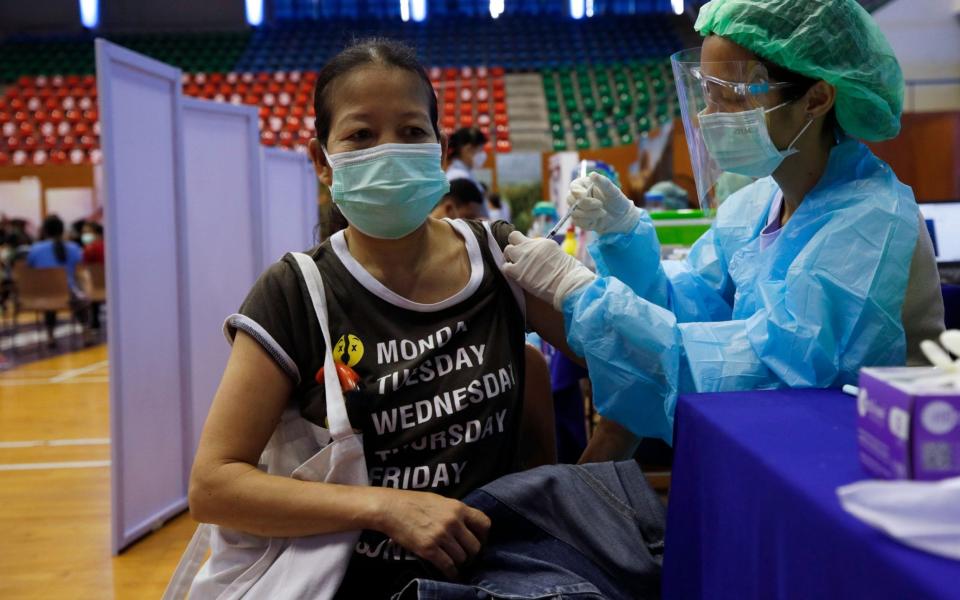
[[92, 238], [463, 201], [52, 252]]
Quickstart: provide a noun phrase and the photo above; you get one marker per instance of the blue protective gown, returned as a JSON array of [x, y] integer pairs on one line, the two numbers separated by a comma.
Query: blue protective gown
[[822, 301]]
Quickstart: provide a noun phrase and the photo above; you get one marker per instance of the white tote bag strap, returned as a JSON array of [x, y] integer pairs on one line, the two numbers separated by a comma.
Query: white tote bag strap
[[190, 564], [336, 407], [500, 260]]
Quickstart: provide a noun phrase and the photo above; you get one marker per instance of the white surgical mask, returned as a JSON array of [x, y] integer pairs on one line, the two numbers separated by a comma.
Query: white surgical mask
[[479, 159], [88, 238], [388, 191], [740, 142]]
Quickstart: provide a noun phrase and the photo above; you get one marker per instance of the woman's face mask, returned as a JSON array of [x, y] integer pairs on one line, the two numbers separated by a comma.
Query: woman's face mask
[[740, 143], [388, 191]]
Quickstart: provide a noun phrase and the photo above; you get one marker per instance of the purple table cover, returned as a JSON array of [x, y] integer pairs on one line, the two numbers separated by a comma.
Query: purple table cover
[[753, 511]]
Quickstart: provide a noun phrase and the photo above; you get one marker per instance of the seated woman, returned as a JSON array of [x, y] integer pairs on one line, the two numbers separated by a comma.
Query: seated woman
[[418, 309], [53, 252]]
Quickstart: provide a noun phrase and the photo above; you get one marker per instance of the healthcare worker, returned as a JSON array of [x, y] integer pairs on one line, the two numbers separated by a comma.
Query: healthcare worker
[[818, 268]]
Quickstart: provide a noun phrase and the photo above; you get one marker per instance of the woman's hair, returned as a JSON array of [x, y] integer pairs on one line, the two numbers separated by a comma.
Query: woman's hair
[[376, 51], [53, 230], [801, 85], [461, 138]]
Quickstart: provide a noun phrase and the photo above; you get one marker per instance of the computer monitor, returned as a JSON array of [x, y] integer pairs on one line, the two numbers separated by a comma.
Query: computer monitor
[[943, 222]]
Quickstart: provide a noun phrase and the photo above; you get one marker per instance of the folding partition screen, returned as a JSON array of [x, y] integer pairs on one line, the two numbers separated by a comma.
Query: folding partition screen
[[139, 113], [290, 203], [222, 242]]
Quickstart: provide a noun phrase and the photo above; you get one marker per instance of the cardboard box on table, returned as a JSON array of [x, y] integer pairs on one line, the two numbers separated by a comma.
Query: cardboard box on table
[[908, 423]]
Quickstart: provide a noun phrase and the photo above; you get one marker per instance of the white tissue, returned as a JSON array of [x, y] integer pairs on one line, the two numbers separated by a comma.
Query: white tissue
[[921, 514]]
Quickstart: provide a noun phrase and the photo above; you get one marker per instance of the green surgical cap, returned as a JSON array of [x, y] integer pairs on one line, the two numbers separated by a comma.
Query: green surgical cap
[[833, 40]]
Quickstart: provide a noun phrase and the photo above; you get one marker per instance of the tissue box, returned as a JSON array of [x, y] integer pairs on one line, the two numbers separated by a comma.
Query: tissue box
[[908, 423]]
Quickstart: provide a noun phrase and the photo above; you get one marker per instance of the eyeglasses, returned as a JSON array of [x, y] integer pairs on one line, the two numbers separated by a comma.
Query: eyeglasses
[[719, 89]]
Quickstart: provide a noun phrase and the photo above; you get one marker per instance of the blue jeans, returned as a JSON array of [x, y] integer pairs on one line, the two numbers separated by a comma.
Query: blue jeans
[[563, 531]]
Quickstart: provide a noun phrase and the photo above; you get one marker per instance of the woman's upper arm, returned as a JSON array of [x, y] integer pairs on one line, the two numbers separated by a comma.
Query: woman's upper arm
[[246, 408], [548, 323]]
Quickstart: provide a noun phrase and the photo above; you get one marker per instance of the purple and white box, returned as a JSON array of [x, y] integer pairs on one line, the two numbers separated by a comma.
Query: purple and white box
[[908, 423]]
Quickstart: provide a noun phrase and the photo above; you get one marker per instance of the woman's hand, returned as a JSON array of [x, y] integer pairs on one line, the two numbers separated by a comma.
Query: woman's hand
[[443, 531]]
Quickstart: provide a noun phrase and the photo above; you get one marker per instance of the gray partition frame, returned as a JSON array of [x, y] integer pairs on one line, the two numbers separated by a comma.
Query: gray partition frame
[[195, 257], [300, 208], [310, 206], [143, 186]]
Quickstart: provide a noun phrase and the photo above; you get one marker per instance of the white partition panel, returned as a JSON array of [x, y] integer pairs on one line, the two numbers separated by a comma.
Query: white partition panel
[[288, 204], [21, 200], [71, 204], [139, 113], [222, 232]]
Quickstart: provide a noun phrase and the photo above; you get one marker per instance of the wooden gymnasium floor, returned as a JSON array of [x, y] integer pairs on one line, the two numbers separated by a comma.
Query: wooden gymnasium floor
[[55, 490]]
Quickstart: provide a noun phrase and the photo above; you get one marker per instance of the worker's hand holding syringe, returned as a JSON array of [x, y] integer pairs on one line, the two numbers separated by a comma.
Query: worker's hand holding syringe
[[597, 204]]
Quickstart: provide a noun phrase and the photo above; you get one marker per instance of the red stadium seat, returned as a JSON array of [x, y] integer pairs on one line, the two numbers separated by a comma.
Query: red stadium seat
[[504, 146], [4, 159]]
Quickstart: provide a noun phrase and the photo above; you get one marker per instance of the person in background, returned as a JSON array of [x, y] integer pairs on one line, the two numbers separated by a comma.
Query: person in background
[[465, 154], [674, 196], [76, 231], [53, 252], [499, 208], [463, 201], [92, 238]]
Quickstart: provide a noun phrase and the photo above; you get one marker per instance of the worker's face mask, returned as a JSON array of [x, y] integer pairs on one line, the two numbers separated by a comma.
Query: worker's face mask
[[388, 191], [740, 142]]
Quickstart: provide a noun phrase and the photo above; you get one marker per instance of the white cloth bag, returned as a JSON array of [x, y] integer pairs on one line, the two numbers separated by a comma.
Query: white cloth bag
[[251, 567]]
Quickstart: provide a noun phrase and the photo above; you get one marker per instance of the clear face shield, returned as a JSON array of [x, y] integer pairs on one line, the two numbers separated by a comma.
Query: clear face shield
[[724, 108]]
